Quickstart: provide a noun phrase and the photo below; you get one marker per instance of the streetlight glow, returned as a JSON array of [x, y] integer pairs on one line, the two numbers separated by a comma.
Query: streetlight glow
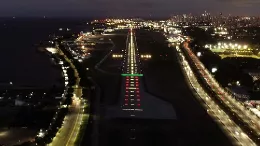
[[214, 69], [199, 54]]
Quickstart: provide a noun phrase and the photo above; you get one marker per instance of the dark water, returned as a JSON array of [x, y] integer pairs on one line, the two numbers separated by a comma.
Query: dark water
[[20, 62]]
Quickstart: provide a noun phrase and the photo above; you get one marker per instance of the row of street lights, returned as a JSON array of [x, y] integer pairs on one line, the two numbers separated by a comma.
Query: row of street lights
[[222, 45]]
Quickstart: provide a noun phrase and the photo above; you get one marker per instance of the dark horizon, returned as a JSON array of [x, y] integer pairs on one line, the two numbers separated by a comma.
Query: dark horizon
[[105, 8]]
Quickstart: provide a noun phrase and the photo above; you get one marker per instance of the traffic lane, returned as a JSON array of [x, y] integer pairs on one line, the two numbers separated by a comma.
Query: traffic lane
[[235, 107], [238, 119], [217, 113], [75, 130], [62, 137], [211, 107]]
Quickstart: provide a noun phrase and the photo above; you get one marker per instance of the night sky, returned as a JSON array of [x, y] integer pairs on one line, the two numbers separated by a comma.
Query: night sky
[[104, 8]]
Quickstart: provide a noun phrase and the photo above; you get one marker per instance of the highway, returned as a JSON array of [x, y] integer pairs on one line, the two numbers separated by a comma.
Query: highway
[[233, 131], [233, 105], [68, 133]]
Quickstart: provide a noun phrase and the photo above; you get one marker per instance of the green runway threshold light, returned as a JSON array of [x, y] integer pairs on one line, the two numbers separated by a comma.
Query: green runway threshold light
[[138, 75]]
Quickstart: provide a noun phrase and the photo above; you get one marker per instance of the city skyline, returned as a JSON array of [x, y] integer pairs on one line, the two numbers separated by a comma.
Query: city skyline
[[104, 8]]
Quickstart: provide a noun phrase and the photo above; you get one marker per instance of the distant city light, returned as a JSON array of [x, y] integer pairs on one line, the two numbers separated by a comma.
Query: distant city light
[[52, 50], [223, 46], [220, 31], [238, 83], [199, 54], [41, 134], [214, 69]]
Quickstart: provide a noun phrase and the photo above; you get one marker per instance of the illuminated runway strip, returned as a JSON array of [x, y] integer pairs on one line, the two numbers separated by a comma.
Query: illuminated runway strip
[[132, 99]]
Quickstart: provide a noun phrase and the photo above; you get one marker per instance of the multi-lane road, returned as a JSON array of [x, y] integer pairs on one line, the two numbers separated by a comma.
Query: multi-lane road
[[68, 133], [251, 121], [232, 130]]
